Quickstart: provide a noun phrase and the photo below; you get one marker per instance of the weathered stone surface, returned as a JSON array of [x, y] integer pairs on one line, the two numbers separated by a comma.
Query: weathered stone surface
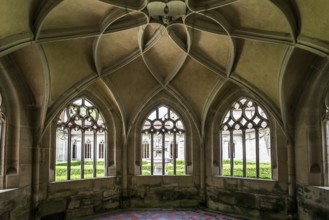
[[21, 212], [75, 213], [90, 201], [167, 195], [161, 204], [313, 202], [61, 194], [220, 207], [6, 206], [52, 206], [222, 196], [188, 203], [110, 205], [109, 193], [74, 204], [274, 204], [5, 215], [246, 203], [55, 216], [137, 203], [246, 200]]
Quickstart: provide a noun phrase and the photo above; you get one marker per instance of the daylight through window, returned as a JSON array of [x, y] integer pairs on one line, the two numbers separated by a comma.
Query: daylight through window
[[163, 143], [80, 132], [245, 141]]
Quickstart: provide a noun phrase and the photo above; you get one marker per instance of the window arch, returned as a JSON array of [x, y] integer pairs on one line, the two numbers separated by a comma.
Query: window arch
[[80, 132], [245, 141], [163, 143]]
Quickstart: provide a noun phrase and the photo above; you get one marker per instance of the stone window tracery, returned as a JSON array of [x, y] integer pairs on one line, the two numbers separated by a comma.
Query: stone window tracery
[[80, 130], [163, 136], [245, 141]]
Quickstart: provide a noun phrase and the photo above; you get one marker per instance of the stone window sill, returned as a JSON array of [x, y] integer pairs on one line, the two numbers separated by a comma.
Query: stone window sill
[[245, 178], [82, 180], [7, 190], [323, 187], [165, 175]]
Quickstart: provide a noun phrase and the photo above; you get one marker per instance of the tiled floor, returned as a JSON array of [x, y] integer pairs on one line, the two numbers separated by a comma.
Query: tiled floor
[[163, 215]]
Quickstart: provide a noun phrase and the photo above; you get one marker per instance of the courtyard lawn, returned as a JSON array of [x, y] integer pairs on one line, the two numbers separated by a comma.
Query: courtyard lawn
[[61, 170], [180, 168], [265, 171], [264, 168]]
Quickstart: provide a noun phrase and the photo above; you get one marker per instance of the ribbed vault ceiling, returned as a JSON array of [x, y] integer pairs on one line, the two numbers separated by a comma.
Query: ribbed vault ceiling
[[265, 47]]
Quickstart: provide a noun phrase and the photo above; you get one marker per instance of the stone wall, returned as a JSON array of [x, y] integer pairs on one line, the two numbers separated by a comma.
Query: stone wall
[[164, 192], [15, 204], [74, 199], [17, 154], [249, 198], [313, 202]]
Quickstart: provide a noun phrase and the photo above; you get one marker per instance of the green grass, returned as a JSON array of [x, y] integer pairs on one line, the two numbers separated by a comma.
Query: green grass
[[61, 170], [180, 168], [265, 171]]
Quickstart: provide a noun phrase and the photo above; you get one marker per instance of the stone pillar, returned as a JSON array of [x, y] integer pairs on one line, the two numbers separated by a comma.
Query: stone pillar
[[202, 173], [124, 191], [292, 200]]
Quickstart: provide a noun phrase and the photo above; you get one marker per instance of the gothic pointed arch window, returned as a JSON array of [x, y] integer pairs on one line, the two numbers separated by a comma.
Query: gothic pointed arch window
[[2, 140], [245, 141], [163, 135], [80, 131]]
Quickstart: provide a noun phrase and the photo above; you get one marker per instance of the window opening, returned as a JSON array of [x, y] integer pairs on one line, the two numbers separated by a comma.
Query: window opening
[[101, 150], [173, 150], [74, 150], [245, 141], [80, 129], [145, 149], [88, 150], [163, 143]]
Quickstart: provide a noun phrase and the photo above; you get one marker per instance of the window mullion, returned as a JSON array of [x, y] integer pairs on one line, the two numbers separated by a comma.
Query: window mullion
[[68, 166], [257, 151], [231, 153], [244, 152], [175, 153], [221, 154], [163, 154], [82, 163], [105, 150], [152, 156], [94, 155]]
